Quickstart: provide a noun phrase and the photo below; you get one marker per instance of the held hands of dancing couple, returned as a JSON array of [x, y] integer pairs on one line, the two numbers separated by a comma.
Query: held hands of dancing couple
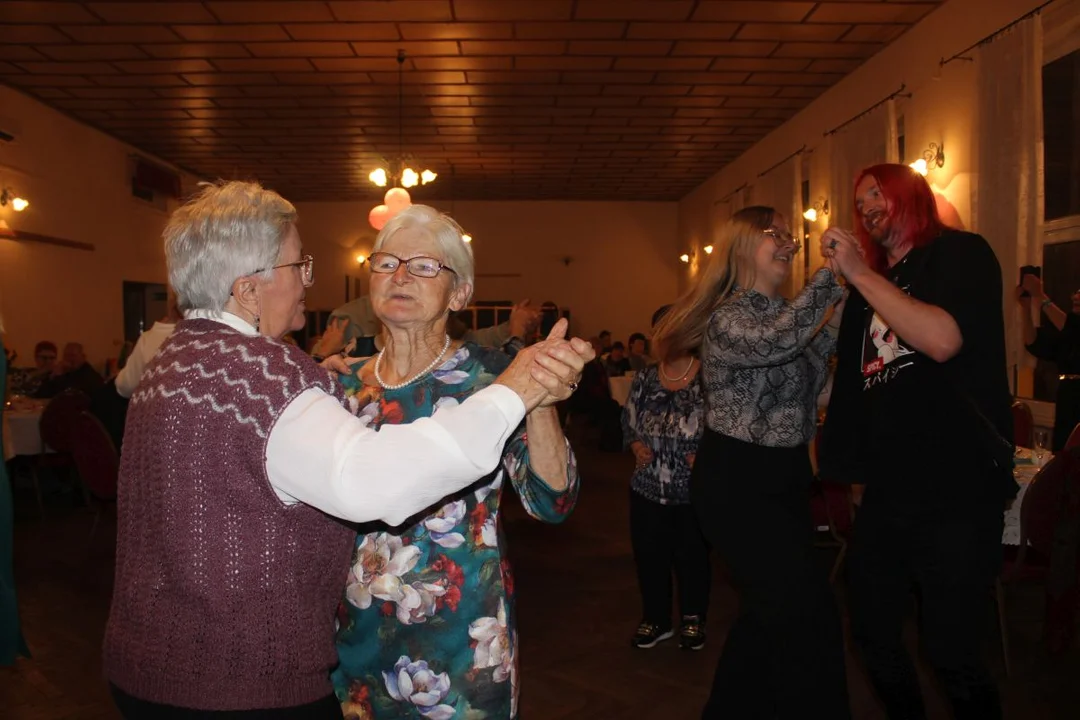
[[542, 374]]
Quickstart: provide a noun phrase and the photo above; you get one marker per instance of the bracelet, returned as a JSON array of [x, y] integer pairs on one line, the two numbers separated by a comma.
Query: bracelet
[[1045, 302]]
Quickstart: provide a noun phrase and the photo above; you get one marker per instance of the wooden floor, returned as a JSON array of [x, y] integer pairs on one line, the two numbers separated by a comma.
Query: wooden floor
[[578, 606]]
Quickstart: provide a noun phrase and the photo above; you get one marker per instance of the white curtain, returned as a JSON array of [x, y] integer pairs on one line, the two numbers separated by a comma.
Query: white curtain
[[724, 208], [781, 188], [1008, 195], [870, 140]]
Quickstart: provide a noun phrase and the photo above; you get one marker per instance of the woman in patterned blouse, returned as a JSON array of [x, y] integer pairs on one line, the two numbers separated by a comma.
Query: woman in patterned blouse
[[662, 424], [427, 620], [764, 362]]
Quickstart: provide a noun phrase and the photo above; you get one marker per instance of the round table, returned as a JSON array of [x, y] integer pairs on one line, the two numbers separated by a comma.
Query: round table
[[22, 432]]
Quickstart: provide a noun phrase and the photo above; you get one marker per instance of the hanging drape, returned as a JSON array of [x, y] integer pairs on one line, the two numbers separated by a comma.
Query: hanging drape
[[781, 188], [1008, 196], [870, 140]]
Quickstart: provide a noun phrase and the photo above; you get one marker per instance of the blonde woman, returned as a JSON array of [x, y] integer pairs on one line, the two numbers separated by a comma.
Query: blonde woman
[[764, 361]]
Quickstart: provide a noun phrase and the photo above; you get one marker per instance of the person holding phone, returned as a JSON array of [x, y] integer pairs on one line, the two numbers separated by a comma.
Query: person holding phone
[[1056, 340]]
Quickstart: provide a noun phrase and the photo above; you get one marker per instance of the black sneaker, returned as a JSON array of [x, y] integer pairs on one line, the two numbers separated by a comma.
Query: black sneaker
[[692, 633], [648, 635]]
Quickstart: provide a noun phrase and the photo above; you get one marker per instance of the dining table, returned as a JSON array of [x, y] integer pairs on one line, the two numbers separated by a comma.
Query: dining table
[[1026, 466], [22, 428]]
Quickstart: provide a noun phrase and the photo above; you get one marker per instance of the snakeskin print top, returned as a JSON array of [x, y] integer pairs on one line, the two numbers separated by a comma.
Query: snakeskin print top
[[765, 361]]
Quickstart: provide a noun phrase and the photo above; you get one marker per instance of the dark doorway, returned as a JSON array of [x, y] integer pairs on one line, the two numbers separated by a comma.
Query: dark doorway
[[144, 304]]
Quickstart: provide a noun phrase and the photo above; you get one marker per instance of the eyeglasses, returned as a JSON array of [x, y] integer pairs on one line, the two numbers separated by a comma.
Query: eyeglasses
[[307, 269], [425, 267], [782, 238]]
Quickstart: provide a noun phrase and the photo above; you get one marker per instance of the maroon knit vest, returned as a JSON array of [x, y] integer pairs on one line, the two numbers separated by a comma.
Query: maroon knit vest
[[224, 597]]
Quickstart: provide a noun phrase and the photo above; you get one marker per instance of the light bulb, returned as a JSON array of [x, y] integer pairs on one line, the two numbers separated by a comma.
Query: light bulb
[[685, 258], [810, 214], [466, 238], [919, 166], [708, 249], [378, 177], [19, 204], [409, 178], [361, 259], [428, 176]]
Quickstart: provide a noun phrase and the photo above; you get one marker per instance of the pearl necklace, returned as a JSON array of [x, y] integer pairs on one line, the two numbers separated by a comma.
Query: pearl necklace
[[678, 379], [414, 378]]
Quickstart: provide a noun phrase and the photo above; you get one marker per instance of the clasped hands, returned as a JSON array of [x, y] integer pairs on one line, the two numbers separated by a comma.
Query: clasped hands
[[842, 252], [548, 372]]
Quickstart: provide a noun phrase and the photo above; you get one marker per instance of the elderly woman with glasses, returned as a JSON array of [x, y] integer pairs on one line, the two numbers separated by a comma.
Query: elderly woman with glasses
[[240, 454], [764, 361], [427, 620]]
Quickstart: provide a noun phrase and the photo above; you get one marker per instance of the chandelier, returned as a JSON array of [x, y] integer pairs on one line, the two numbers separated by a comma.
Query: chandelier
[[397, 171]]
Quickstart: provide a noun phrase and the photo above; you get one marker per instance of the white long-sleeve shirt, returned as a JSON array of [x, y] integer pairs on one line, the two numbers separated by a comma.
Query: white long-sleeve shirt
[[321, 454], [145, 349]]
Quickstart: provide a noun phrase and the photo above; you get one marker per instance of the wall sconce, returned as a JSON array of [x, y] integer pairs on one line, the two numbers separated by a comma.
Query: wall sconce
[[685, 258], [932, 157], [18, 204], [466, 238], [708, 249], [818, 209], [361, 259]]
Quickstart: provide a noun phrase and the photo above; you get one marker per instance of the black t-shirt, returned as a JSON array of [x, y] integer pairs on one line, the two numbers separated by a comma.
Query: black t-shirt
[[900, 420], [1061, 347]]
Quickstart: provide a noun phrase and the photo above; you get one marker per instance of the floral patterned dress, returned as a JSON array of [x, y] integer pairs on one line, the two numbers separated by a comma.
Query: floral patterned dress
[[426, 625]]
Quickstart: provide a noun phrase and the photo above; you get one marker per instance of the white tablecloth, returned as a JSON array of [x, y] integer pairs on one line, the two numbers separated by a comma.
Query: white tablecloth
[[620, 387], [1024, 475], [22, 433]]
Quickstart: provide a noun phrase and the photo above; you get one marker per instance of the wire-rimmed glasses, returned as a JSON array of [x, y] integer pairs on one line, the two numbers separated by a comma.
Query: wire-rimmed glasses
[[306, 265], [420, 266], [782, 238]]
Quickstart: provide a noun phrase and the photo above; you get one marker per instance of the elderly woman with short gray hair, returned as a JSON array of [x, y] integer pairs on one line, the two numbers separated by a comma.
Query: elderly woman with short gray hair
[[240, 453], [429, 604]]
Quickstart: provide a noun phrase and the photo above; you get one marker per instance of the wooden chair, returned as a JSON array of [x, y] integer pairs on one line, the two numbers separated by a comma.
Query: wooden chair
[[1074, 438], [1023, 424], [97, 462], [1052, 496], [57, 425], [831, 507]]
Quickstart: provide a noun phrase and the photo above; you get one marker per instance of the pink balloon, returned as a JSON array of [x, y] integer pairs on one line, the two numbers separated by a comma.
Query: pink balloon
[[378, 216], [397, 199]]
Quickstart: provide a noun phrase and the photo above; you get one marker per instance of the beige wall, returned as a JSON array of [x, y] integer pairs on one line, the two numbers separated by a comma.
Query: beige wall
[[622, 255], [941, 110], [622, 267], [76, 180]]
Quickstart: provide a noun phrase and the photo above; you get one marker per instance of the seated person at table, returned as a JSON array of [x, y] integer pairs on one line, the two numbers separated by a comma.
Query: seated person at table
[[617, 364], [73, 372], [355, 321], [26, 381], [145, 349], [638, 358]]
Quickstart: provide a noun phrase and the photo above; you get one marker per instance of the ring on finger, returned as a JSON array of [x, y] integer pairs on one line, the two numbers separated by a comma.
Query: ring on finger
[[572, 385]]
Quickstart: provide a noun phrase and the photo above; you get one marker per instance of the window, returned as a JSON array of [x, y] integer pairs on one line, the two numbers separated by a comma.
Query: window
[[1061, 131], [1061, 278]]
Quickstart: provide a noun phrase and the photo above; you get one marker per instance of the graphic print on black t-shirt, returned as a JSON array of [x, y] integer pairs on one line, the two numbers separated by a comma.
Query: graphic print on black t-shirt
[[883, 355]]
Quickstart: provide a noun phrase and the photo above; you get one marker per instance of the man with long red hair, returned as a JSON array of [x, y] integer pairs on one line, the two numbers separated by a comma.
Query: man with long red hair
[[919, 407]]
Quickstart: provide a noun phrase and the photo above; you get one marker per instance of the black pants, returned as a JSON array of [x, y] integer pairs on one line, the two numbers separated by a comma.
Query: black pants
[[952, 559], [664, 536], [132, 708], [784, 656]]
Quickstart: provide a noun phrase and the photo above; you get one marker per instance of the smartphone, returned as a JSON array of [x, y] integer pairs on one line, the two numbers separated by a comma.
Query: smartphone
[[1029, 270]]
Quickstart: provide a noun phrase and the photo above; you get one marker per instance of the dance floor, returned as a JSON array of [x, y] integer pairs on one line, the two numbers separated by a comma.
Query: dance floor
[[578, 607]]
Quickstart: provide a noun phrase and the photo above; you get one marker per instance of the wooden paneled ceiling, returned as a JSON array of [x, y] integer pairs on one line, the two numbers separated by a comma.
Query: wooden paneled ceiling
[[566, 99]]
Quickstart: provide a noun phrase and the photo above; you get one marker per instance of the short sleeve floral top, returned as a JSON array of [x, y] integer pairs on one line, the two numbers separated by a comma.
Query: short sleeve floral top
[[426, 625]]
